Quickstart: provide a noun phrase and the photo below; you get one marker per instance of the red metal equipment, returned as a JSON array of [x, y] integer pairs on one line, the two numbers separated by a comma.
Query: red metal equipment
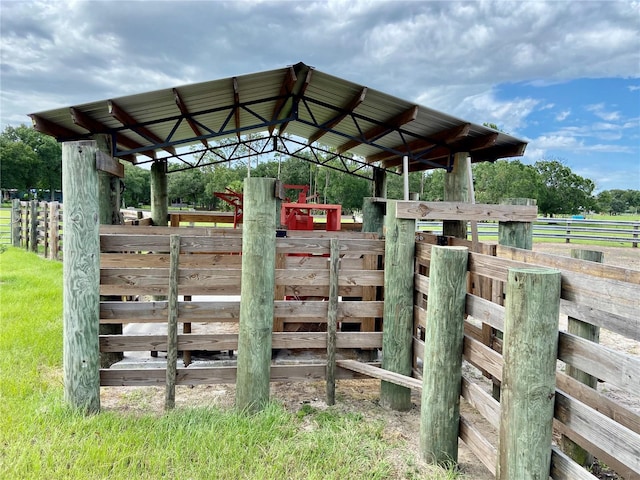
[[235, 199], [297, 215]]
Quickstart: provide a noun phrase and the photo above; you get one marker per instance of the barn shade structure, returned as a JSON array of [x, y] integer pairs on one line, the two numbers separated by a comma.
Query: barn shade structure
[[293, 109]]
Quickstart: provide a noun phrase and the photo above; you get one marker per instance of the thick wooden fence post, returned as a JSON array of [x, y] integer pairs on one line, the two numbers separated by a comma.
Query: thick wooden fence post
[[81, 276], [592, 333], [530, 352], [172, 323], [372, 215], [159, 197], [456, 189], [16, 222], [54, 214], [257, 294], [45, 228], [33, 226], [442, 359], [517, 235], [398, 307]]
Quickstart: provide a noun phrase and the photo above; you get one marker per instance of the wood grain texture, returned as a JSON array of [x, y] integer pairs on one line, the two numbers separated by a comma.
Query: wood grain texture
[[257, 294], [172, 324], [478, 444], [528, 379], [442, 365], [332, 320], [81, 300], [465, 211], [398, 308]]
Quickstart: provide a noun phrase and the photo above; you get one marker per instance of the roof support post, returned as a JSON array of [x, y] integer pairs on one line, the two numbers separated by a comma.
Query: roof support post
[[109, 202], [159, 195], [379, 182], [456, 189], [81, 283]]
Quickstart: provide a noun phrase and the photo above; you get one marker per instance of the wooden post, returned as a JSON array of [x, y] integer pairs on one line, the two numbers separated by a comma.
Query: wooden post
[[592, 333], [379, 182], [257, 293], [516, 234], [372, 215], [33, 226], [172, 324], [54, 217], [530, 352], [456, 189], [398, 307], [45, 228], [159, 196], [442, 359], [109, 200], [16, 223], [81, 267], [332, 320]]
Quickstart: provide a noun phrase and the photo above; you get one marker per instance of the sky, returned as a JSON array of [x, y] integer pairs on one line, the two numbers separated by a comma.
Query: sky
[[562, 75]]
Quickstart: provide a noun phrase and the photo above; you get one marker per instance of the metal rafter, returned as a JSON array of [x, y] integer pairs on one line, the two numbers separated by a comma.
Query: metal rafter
[[185, 111], [128, 121], [379, 131], [296, 101], [236, 104], [285, 93], [346, 110]]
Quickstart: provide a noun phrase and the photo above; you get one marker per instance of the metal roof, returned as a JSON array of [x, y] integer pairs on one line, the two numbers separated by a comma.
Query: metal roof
[[295, 108]]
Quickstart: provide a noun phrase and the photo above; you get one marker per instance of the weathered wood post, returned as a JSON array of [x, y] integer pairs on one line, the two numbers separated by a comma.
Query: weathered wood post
[[456, 189], [257, 294], [16, 223], [442, 358], [517, 235], [530, 351], [33, 226], [159, 196], [81, 269], [398, 306], [172, 323], [54, 215], [373, 213], [590, 332]]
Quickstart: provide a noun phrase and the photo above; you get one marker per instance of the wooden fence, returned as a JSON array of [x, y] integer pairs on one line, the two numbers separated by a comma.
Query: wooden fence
[[567, 229], [597, 294], [135, 264]]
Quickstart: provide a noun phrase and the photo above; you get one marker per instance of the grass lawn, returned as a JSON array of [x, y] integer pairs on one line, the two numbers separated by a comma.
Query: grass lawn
[[42, 438]]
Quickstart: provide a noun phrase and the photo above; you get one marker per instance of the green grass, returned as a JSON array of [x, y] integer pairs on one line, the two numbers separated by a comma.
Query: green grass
[[40, 437]]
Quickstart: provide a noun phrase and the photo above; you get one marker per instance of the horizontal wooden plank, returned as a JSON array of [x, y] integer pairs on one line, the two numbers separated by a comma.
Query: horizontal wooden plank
[[478, 444], [421, 284], [160, 260], [160, 244], [229, 311], [354, 278], [614, 439], [321, 263], [229, 341], [465, 211], [321, 246], [485, 311], [482, 357], [106, 163], [602, 362], [484, 403], [376, 372], [563, 468], [627, 327], [116, 377], [599, 402], [570, 264], [153, 230]]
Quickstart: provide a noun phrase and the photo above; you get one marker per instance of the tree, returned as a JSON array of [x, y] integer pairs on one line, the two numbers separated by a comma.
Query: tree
[[560, 191], [137, 189]]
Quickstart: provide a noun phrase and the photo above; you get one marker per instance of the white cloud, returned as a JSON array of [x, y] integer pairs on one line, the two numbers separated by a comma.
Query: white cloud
[[600, 111], [561, 116]]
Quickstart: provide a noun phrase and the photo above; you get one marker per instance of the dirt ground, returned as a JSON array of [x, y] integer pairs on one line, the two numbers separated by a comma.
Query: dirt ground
[[361, 396]]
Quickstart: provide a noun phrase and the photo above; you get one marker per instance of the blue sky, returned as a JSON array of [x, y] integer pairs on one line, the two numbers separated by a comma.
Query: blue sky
[[564, 75]]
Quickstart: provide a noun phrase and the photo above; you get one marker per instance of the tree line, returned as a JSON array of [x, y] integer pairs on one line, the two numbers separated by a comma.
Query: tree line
[[31, 162]]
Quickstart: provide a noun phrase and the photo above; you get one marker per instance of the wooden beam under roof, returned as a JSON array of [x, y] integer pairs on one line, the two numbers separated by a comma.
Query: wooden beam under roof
[[128, 121], [236, 105], [285, 89], [47, 127], [185, 111], [296, 99], [94, 126], [378, 131], [443, 137], [346, 110], [502, 151]]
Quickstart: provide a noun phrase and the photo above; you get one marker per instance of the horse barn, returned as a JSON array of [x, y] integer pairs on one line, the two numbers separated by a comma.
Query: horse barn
[[269, 302]]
